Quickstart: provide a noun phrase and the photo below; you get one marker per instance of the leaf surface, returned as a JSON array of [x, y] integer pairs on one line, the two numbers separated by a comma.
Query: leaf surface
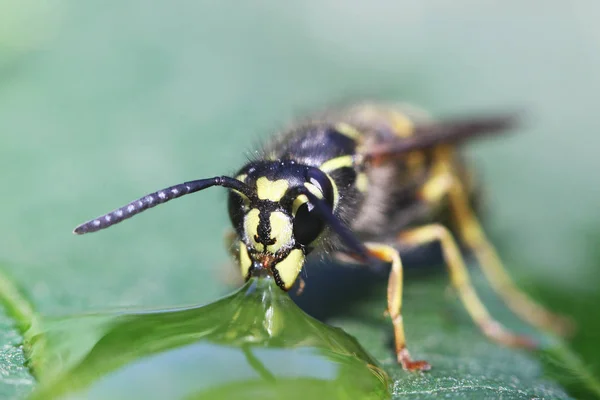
[[102, 103]]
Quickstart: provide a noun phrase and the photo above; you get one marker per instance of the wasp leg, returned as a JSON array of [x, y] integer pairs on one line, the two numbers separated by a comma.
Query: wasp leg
[[394, 299], [521, 304], [471, 233], [460, 279]]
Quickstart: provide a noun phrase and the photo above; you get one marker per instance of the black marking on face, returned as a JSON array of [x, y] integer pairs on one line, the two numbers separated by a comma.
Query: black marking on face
[[278, 279], [265, 208]]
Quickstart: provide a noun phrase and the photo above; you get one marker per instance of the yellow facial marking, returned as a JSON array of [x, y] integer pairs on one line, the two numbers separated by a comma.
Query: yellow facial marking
[[251, 227], [241, 178], [271, 190], [337, 163], [245, 261], [317, 192], [290, 267], [362, 182], [313, 189], [298, 201], [281, 231], [348, 130]]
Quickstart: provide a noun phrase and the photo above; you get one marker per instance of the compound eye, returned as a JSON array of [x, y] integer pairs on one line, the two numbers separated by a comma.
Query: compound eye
[[307, 224]]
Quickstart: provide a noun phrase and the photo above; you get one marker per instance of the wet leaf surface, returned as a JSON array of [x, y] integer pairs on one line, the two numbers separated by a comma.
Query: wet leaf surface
[[255, 343], [465, 363]]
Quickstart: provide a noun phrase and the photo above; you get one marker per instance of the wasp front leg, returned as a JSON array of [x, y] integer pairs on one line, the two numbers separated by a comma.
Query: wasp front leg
[[390, 255]]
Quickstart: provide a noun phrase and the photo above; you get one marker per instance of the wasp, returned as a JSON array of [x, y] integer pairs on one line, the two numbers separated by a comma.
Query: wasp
[[363, 184]]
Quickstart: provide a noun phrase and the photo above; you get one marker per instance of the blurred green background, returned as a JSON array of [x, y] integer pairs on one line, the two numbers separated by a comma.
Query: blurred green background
[[101, 102]]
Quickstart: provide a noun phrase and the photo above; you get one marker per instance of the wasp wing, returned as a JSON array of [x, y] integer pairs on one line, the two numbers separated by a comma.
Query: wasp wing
[[450, 132]]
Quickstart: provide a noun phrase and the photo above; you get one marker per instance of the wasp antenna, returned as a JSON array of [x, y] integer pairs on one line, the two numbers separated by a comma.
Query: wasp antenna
[[156, 198], [347, 236]]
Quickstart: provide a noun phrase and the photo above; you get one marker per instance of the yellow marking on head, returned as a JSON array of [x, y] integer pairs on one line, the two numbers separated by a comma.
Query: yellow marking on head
[[337, 163], [348, 130], [313, 189], [281, 231], [251, 227], [271, 190], [298, 201], [401, 124], [362, 182], [245, 262], [290, 267], [242, 177], [317, 192], [336, 193]]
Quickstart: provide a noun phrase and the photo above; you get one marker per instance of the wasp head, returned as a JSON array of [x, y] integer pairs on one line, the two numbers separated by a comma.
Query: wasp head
[[277, 224]]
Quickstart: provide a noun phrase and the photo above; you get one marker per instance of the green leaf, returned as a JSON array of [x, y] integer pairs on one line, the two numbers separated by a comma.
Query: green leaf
[[15, 379], [102, 102], [466, 365], [255, 343], [87, 354], [97, 353]]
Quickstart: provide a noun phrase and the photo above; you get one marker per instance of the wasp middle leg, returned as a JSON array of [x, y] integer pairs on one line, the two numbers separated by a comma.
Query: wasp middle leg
[[390, 255]]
